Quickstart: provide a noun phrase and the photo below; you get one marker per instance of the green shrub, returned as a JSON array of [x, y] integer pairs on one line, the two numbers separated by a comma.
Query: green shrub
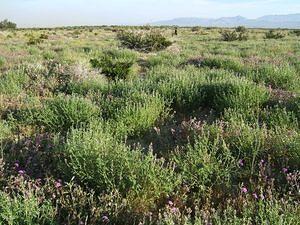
[[218, 63], [115, 64], [5, 24], [269, 211], [234, 93], [13, 82], [98, 159], [86, 86], [181, 88], [132, 113], [279, 117], [282, 77], [5, 131], [234, 35], [144, 41], [64, 112], [202, 166], [34, 40], [195, 29], [25, 209], [271, 34], [241, 29], [2, 61], [296, 32], [137, 117], [44, 36]]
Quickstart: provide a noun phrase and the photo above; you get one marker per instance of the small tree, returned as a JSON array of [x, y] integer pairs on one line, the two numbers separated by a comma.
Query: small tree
[[241, 29], [5, 24]]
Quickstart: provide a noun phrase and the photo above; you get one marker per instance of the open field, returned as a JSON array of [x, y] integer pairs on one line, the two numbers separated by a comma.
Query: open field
[[95, 129]]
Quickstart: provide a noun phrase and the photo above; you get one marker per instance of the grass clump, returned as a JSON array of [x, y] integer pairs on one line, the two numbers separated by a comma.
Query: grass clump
[[144, 41], [115, 64]]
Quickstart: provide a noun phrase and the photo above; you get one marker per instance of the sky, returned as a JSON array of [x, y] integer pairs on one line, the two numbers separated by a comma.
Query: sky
[[51, 13]]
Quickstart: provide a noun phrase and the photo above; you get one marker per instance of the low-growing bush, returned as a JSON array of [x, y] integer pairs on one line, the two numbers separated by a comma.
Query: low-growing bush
[[115, 64], [181, 88], [283, 76], [26, 208], [271, 34], [2, 61], [218, 63], [144, 41], [241, 29], [195, 29], [61, 113], [5, 132], [234, 35], [234, 93], [34, 40], [5, 24], [98, 159], [13, 82], [137, 117], [296, 32], [44, 36], [202, 165]]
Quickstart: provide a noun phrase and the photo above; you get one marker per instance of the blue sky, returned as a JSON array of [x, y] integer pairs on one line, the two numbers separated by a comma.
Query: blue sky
[[45, 13]]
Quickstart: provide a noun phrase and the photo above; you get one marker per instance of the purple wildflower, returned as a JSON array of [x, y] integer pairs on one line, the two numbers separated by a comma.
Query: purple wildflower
[[58, 184], [255, 195], [16, 165], [105, 219], [170, 203], [21, 172], [241, 162], [285, 170], [174, 210], [244, 190]]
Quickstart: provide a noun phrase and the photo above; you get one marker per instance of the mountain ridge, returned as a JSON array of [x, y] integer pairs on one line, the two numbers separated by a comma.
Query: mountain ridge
[[268, 21]]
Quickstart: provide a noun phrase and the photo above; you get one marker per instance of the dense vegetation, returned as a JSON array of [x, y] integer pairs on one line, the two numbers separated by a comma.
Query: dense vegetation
[[116, 125], [5, 24]]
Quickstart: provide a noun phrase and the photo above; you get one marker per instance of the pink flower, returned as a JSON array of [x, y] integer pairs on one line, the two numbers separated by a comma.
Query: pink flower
[[170, 203], [16, 165], [241, 162], [255, 195], [21, 172], [174, 210], [285, 170], [244, 190], [58, 184]]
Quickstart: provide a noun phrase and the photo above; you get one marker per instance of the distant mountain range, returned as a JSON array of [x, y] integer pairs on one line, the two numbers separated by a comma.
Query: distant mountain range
[[270, 21]]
